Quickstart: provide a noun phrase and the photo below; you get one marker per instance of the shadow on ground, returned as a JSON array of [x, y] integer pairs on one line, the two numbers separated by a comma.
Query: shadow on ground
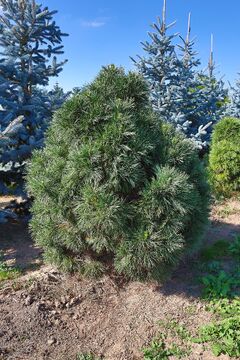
[[184, 280], [17, 247], [19, 250]]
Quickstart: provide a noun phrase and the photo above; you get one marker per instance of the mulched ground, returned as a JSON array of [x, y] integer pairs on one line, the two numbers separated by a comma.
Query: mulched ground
[[48, 315]]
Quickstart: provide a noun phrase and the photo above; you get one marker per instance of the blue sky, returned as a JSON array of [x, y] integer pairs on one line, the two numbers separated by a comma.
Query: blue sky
[[107, 31]]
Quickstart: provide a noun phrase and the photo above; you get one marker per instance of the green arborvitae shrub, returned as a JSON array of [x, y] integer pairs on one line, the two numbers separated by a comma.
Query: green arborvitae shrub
[[114, 187], [224, 158]]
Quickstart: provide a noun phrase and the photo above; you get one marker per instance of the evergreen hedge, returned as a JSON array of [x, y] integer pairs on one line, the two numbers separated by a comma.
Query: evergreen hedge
[[224, 158], [114, 188]]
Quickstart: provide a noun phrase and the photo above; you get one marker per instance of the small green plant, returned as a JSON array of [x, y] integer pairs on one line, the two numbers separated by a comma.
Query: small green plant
[[182, 332], [221, 285], [221, 288], [177, 329], [7, 272], [224, 336], [212, 267], [225, 307], [234, 248], [158, 350], [86, 356]]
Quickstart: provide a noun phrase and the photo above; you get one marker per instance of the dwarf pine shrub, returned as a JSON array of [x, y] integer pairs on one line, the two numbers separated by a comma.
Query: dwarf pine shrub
[[224, 158], [114, 188]]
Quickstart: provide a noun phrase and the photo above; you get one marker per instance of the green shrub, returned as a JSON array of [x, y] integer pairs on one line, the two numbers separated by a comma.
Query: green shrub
[[224, 158], [115, 186]]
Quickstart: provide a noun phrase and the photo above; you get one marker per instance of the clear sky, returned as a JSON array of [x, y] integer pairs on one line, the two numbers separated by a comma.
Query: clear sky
[[109, 31]]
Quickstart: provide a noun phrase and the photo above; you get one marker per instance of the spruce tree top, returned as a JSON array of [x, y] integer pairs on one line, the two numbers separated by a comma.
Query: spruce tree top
[[187, 91], [182, 97], [30, 37], [160, 66]]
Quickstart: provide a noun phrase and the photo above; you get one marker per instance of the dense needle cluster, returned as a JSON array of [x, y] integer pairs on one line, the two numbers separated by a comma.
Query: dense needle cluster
[[114, 187]]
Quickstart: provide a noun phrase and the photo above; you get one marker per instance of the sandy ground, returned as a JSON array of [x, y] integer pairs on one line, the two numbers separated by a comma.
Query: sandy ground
[[48, 315]]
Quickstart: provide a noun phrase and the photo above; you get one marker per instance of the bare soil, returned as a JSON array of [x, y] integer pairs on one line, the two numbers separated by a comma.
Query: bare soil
[[49, 315]]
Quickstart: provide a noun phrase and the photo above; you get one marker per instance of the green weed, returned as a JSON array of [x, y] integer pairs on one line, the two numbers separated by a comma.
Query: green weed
[[225, 307], [224, 336], [221, 289], [7, 272], [158, 350], [221, 292], [86, 357], [234, 248], [178, 329], [221, 285]]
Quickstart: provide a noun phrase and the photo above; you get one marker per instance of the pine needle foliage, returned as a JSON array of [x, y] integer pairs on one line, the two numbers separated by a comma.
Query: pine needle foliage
[[114, 186]]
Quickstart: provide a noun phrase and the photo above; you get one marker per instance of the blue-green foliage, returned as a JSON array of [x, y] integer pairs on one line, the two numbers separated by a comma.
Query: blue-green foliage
[[191, 100], [233, 108], [212, 100], [30, 41], [188, 91], [160, 68]]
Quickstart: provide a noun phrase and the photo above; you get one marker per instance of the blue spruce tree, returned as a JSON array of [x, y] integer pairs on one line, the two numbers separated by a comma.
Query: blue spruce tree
[[50, 101], [213, 97], [30, 41], [189, 88], [190, 100], [56, 97], [160, 69], [202, 95], [233, 107]]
